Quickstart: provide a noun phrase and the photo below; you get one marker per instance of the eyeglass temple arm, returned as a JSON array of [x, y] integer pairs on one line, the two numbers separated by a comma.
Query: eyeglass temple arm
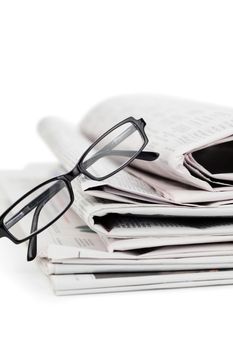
[[146, 156], [2, 233], [32, 244], [32, 249]]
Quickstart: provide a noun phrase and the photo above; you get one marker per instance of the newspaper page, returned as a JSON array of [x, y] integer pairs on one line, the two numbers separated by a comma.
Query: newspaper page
[[176, 129], [64, 284], [60, 292]]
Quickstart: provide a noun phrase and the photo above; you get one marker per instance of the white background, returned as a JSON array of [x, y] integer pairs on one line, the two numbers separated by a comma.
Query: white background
[[60, 58]]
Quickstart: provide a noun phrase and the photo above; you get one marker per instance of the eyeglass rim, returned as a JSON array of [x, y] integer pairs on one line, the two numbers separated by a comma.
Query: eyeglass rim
[[9, 235], [140, 126]]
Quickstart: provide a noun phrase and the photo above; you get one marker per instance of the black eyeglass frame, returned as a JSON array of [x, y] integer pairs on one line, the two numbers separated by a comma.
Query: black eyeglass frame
[[79, 169]]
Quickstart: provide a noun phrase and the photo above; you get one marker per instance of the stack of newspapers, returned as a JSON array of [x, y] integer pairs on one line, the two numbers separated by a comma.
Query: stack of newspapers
[[161, 224]]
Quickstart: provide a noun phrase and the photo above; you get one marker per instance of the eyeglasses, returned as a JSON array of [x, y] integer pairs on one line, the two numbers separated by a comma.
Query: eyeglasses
[[46, 203]]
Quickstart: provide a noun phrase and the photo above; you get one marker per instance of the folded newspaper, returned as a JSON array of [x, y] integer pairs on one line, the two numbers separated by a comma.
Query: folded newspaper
[[161, 224], [76, 260], [179, 198]]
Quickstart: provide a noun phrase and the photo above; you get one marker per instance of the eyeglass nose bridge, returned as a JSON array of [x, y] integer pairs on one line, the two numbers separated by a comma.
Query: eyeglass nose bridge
[[73, 173]]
